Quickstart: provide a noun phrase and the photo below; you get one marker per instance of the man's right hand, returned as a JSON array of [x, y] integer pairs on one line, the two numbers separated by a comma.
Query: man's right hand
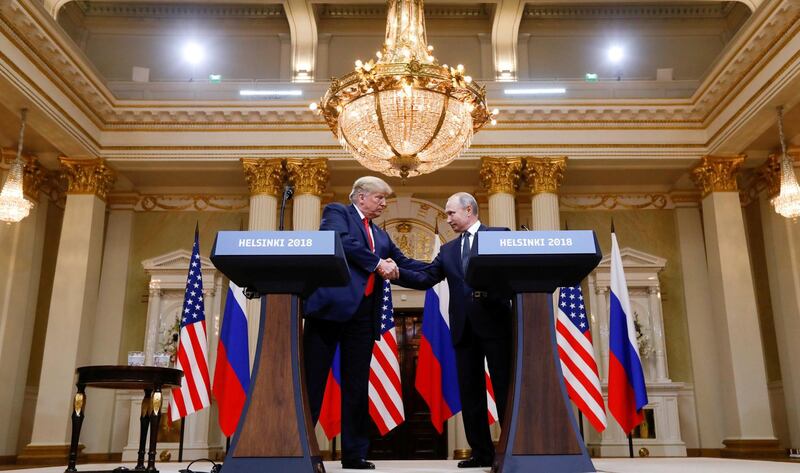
[[388, 269]]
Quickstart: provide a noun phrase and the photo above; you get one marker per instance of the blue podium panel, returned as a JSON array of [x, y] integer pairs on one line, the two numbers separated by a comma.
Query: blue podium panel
[[281, 262], [532, 261]]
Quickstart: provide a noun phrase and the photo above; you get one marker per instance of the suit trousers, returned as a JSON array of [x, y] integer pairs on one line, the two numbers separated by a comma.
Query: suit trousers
[[470, 353], [355, 338]]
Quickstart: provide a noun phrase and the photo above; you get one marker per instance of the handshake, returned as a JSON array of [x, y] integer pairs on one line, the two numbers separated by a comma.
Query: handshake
[[387, 269]]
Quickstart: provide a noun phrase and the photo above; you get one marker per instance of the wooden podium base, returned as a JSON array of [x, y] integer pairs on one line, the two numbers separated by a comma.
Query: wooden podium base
[[276, 433], [540, 433]]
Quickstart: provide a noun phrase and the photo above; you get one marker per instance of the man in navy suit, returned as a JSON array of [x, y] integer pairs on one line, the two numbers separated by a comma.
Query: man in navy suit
[[349, 315], [480, 326]]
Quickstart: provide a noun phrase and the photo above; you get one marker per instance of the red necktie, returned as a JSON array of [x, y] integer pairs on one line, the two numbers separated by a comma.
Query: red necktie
[[371, 279]]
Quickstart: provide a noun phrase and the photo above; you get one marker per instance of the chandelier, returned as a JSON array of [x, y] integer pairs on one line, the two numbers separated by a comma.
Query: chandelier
[[405, 114], [13, 204], [787, 203]]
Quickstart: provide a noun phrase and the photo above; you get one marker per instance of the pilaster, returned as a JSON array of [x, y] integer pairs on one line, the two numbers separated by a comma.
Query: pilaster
[[73, 304], [500, 178], [544, 176], [310, 177], [743, 381]]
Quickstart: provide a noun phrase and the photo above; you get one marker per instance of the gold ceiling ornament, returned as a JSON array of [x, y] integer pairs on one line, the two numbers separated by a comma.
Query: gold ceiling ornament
[[13, 204], [545, 174], [308, 175], [34, 175], [87, 176], [787, 202], [263, 176], [500, 175], [405, 114], [768, 176], [717, 173]]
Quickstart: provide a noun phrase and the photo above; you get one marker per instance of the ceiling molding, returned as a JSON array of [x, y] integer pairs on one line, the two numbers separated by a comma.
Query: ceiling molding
[[603, 12], [338, 11], [174, 10]]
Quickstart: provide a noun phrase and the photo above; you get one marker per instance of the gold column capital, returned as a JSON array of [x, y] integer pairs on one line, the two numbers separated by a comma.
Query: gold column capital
[[768, 175], [500, 174], [87, 176], [34, 176], [263, 176], [309, 175], [717, 173], [545, 174]]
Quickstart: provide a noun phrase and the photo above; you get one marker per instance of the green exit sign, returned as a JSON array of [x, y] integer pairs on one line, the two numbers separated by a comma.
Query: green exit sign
[[215, 78], [591, 77]]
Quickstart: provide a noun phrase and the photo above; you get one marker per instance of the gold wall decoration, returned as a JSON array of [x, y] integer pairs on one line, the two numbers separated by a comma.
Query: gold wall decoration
[[413, 239], [500, 174], [309, 175], [87, 176], [263, 176], [616, 202], [717, 173], [545, 174], [192, 202]]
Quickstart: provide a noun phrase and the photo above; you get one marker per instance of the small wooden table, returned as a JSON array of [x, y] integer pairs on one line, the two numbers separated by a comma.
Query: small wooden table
[[148, 378]]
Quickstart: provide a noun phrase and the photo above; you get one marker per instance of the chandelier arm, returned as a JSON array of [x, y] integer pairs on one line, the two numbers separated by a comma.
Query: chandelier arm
[[382, 127], [442, 114]]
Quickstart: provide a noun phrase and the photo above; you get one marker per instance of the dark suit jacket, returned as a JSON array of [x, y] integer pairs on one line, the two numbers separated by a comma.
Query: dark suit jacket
[[490, 317], [340, 303]]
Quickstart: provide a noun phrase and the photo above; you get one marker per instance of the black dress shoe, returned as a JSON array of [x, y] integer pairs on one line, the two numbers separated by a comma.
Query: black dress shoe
[[473, 462], [359, 464]]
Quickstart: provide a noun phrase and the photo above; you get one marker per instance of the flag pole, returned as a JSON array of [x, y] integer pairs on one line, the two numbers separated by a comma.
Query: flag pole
[[630, 445], [227, 444], [580, 424], [180, 442]]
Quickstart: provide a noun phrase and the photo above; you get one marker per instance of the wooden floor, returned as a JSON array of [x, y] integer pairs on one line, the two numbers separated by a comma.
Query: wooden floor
[[603, 465]]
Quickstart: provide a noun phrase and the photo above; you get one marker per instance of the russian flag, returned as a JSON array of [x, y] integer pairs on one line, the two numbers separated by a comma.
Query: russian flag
[[232, 372], [330, 416], [627, 394], [437, 379]]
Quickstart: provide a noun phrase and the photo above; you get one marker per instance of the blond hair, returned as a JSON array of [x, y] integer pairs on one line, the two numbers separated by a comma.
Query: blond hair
[[369, 185]]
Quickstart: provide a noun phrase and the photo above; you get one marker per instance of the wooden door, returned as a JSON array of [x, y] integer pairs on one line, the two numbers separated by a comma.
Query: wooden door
[[414, 439]]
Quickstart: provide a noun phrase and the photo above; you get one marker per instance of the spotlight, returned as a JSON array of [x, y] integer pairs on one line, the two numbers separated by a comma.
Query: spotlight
[[616, 54], [193, 53]]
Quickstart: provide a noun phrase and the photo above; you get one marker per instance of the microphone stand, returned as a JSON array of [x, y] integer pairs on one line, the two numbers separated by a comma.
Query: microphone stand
[[288, 192]]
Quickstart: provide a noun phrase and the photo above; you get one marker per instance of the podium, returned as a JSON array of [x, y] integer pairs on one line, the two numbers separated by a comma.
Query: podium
[[540, 433], [275, 431]]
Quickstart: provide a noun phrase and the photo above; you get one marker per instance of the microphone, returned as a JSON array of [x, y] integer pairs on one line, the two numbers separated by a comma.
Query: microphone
[[288, 192], [524, 227]]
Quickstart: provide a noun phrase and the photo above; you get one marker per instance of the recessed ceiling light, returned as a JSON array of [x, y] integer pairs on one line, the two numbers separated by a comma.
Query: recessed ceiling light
[[537, 91]]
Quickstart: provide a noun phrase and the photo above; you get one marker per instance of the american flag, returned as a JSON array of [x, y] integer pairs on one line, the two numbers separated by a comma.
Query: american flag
[[385, 393], [577, 356], [193, 394]]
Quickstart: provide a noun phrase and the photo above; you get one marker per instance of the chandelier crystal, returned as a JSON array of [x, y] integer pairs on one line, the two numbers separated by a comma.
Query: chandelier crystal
[[405, 114], [13, 204], [787, 202]]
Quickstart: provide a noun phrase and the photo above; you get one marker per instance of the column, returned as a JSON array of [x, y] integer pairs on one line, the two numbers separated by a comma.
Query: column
[[702, 329], [309, 177], [743, 380], [70, 325], [21, 260], [544, 176], [265, 180], [654, 303], [107, 337], [782, 249], [500, 177]]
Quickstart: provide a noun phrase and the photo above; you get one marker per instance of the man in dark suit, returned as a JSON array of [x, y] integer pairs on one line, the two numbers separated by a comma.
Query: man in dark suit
[[480, 325], [349, 315]]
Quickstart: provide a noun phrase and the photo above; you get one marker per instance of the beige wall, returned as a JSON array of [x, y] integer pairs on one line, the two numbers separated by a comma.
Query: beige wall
[[156, 233], [651, 231]]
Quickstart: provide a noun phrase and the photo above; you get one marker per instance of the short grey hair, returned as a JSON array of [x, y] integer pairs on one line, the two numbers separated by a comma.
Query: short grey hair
[[466, 199], [369, 185]]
